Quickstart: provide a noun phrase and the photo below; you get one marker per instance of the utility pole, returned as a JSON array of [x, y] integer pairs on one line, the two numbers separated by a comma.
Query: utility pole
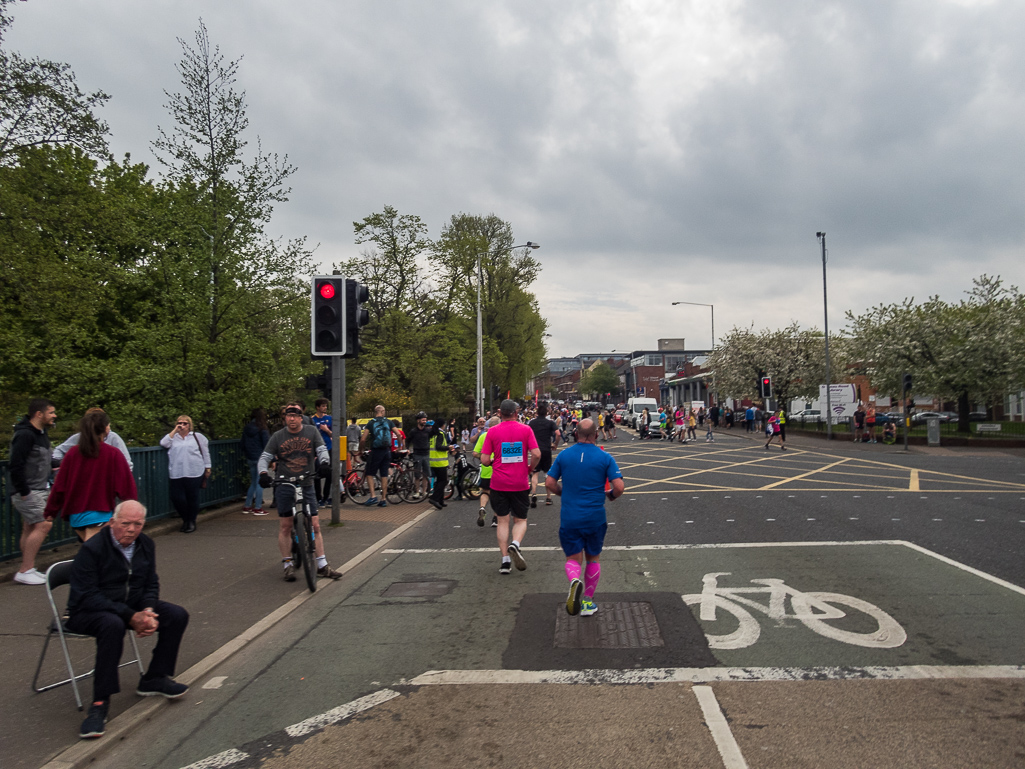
[[825, 310]]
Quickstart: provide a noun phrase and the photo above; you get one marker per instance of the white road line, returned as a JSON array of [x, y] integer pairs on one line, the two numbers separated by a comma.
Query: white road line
[[703, 546], [227, 758], [215, 683], [340, 713], [712, 675], [728, 748]]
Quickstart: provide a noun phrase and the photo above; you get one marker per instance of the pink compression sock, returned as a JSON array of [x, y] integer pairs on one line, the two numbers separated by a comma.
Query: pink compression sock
[[591, 577], [572, 569]]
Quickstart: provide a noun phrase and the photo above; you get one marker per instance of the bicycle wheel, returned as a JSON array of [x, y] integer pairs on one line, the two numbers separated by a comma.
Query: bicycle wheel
[[450, 487], [355, 485], [304, 534], [889, 634], [471, 485], [405, 486], [747, 631]]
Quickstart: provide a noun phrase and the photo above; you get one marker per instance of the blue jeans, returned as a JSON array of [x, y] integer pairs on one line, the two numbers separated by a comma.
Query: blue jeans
[[254, 497]]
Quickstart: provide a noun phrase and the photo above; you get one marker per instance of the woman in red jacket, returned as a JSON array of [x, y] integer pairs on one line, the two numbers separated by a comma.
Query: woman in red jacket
[[92, 478]]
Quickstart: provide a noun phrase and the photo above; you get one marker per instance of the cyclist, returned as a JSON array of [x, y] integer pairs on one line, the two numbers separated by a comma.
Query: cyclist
[[296, 449], [379, 433]]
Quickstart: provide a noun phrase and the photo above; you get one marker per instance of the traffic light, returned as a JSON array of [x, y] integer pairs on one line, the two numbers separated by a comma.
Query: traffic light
[[356, 315], [907, 382], [496, 392], [766, 386], [327, 310]]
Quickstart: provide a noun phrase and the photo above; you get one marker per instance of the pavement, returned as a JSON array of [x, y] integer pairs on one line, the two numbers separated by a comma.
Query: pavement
[[506, 698]]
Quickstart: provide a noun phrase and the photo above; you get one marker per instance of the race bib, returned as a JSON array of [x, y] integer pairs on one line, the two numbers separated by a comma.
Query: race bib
[[512, 452]]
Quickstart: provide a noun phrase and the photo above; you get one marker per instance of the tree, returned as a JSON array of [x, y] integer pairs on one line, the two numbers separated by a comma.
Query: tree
[[967, 352], [794, 358], [41, 104], [230, 300], [599, 380]]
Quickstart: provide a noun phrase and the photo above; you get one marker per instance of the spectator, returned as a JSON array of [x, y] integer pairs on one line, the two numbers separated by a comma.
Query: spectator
[[92, 479], [114, 586], [437, 457], [323, 422], [352, 433], [188, 458], [378, 438], [254, 437], [29, 467], [112, 439]]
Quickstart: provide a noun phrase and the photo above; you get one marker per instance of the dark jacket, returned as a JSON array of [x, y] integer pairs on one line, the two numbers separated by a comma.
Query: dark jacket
[[29, 458], [103, 580], [253, 441]]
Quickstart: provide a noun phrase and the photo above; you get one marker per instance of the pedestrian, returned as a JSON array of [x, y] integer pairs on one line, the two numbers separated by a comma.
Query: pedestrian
[[377, 436], [352, 435], [781, 420], [870, 423], [692, 424], [29, 467], [644, 423], [114, 587], [511, 449], [547, 436], [92, 479], [188, 462], [296, 450], [584, 470], [772, 429], [478, 429], [749, 419], [709, 435], [254, 437], [438, 458], [323, 422], [464, 439], [112, 439], [485, 476], [859, 423], [418, 441]]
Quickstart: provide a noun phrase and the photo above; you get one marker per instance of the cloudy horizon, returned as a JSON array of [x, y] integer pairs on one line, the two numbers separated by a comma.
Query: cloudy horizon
[[659, 151]]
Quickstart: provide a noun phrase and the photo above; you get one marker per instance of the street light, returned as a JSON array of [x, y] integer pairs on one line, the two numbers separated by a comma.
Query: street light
[[825, 310], [712, 307], [480, 332]]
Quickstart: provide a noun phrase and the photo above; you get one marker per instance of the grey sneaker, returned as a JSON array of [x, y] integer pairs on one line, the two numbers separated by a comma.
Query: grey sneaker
[[289, 572], [329, 573], [481, 515]]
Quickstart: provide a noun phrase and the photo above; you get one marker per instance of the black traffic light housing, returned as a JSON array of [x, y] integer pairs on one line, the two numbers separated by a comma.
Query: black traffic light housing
[[907, 382], [764, 385], [356, 315], [327, 315]]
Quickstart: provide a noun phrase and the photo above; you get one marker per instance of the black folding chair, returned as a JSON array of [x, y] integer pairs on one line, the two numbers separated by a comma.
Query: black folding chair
[[57, 575]]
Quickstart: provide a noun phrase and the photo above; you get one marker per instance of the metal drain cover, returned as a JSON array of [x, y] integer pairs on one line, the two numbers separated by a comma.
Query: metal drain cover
[[433, 589], [617, 625]]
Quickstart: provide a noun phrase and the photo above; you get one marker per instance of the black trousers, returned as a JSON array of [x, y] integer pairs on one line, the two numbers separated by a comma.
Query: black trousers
[[109, 631], [323, 485], [185, 497], [440, 479]]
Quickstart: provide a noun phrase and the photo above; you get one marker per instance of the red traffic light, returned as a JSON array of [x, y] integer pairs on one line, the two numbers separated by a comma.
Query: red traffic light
[[327, 290]]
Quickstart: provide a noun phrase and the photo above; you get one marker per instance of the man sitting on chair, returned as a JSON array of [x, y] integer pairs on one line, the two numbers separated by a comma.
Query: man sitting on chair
[[114, 586]]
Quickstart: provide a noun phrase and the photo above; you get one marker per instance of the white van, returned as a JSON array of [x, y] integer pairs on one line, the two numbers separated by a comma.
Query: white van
[[635, 406]]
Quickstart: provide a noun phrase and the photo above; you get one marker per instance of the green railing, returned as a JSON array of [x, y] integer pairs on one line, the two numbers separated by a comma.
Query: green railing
[[228, 481]]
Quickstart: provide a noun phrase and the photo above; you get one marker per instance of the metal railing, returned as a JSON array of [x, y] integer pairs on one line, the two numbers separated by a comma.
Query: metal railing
[[228, 481]]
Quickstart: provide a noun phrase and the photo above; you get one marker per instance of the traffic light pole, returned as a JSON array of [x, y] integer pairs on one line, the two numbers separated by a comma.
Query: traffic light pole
[[825, 312], [338, 423]]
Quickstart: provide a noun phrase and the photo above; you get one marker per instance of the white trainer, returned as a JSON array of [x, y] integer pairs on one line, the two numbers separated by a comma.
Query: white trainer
[[30, 577]]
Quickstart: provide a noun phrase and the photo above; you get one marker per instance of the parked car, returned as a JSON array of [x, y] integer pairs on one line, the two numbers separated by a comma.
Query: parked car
[[806, 415], [922, 417], [618, 416]]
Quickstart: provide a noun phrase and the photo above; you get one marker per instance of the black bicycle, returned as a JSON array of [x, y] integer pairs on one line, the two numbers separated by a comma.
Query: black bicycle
[[304, 550]]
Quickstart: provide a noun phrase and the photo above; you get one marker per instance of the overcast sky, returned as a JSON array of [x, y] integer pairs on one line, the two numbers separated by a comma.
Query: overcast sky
[[658, 151]]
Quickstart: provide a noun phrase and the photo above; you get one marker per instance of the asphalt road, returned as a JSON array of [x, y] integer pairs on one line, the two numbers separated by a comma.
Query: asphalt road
[[920, 553]]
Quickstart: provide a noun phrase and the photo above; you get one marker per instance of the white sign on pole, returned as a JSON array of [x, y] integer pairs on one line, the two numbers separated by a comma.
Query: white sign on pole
[[838, 393]]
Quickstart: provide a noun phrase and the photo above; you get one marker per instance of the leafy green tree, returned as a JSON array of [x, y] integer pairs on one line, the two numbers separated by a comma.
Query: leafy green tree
[[598, 380], [967, 352], [41, 104], [230, 309]]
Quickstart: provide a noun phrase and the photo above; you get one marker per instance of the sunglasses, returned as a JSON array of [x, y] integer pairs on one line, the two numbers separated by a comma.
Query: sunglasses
[[184, 423]]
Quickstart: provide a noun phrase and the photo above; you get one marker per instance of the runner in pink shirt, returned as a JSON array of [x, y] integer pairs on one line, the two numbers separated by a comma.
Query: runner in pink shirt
[[511, 450]]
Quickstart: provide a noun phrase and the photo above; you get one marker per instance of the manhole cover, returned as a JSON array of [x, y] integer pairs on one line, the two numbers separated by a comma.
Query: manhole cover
[[617, 625], [433, 589]]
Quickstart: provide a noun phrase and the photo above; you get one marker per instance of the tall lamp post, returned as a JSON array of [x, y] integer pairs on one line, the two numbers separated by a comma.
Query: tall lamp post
[[825, 310], [712, 307], [480, 331]]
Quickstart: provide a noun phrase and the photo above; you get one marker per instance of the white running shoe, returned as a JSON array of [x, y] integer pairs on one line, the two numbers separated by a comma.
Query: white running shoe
[[30, 577]]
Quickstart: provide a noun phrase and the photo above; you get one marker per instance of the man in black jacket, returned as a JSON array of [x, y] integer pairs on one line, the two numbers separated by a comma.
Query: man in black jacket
[[30, 477], [114, 586]]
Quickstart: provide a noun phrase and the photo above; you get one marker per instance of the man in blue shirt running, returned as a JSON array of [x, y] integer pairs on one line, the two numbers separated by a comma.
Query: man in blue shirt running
[[583, 469]]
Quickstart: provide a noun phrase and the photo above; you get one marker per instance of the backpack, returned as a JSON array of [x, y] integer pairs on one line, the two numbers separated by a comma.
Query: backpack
[[380, 433]]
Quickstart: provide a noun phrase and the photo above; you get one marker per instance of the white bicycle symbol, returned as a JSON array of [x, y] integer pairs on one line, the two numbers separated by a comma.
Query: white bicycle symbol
[[814, 610]]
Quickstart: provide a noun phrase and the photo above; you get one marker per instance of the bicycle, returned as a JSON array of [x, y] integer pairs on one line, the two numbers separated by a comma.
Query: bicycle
[[303, 545], [401, 485], [811, 609], [467, 477]]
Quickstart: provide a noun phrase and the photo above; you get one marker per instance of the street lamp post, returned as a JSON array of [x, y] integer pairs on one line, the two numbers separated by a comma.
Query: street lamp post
[[712, 308], [825, 310], [480, 330]]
